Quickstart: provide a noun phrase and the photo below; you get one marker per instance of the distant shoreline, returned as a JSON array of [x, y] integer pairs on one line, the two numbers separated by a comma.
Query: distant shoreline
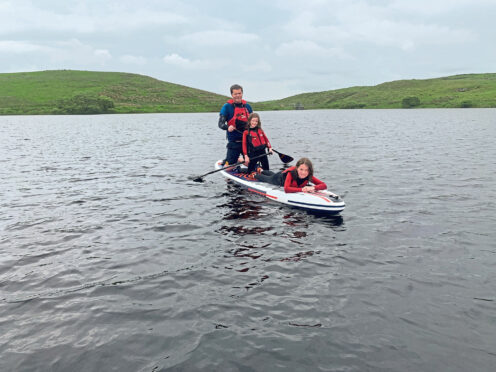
[[70, 92]]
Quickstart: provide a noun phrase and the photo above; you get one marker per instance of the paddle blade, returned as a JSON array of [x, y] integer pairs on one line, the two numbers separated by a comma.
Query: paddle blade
[[285, 158]]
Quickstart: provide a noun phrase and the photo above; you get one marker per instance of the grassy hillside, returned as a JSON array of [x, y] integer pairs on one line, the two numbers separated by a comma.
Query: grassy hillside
[[473, 90], [88, 92], [66, 91]]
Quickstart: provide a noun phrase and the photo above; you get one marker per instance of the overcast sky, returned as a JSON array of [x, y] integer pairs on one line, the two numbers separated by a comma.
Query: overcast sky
[[275, 49]]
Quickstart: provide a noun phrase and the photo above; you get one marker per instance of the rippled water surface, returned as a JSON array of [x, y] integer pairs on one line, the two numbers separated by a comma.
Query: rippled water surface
[[111, 258]]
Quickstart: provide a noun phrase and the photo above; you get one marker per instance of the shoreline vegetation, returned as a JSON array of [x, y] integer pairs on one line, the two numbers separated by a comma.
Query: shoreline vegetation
[[66, 92]]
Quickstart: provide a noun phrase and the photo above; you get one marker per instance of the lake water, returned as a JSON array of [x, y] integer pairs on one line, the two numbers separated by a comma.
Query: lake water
[[111, 258]]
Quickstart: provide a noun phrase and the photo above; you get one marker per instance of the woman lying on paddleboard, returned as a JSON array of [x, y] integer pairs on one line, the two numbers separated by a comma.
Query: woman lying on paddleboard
[[294, 179]]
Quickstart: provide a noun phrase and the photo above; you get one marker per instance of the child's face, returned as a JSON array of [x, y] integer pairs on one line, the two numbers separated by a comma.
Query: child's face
[[302, 171], [253, 122]]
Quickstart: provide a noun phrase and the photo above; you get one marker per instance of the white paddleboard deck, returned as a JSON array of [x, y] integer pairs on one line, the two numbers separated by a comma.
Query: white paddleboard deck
[[319, 201]]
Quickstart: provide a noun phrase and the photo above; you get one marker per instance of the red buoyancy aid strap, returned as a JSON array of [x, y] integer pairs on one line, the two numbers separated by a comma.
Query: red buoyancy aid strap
[[294, 174], [240, 115], [256, 137], [231, 101]]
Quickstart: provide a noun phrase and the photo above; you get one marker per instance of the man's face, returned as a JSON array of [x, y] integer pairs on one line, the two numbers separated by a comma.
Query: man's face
[[237, 95]]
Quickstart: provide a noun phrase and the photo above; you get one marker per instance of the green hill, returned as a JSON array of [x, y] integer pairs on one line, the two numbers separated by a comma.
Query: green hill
[[471, 90], [88, 92]]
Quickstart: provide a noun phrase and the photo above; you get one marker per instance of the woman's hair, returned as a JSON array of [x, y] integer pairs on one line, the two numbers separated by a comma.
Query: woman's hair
[[254, 115], [308, 163]]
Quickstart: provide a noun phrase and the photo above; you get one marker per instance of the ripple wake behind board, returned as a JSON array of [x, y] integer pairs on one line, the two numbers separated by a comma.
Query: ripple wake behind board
[[319, 201]]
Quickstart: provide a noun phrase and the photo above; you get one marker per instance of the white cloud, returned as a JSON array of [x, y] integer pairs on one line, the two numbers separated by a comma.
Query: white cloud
[[102, 54], [431, 8], [268, 89], [134, 19], [408, 36], [21, 15], [360, 22], [284, 45], [133, 60], [75, 53], [223, 38], [309, 49], [257, 66], [21, 47], [175, 59]]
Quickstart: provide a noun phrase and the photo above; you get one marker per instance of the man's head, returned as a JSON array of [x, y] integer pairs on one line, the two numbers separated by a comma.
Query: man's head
[[237, 93]]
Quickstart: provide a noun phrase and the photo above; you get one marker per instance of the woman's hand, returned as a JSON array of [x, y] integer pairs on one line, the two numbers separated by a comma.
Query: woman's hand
[[231, 128], [270, 151], [308, 189], [247, 160]]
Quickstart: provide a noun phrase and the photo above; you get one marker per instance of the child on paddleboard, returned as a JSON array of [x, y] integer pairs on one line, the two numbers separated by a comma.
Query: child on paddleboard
[[294, 179], [254, 144]]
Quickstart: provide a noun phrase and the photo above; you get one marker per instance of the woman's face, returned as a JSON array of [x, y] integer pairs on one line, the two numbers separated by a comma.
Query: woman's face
[[302, 171], [253, 122]]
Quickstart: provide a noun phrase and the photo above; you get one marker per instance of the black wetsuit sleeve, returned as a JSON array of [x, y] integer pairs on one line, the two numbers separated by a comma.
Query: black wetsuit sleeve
[[222, 122]]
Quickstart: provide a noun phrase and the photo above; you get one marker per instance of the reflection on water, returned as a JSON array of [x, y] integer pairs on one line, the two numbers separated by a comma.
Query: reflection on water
[[237, 206], [240, 204], [263, 231], [299, 256], [110, 260], [247, 252], [242, 230]]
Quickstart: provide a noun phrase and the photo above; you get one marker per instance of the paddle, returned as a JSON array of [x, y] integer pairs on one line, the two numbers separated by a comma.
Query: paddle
[[284, 158], [200, 178]]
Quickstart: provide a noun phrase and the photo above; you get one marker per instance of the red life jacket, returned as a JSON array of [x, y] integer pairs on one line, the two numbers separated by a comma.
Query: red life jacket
[[294, 177], [255, 140], [295, 184], [240, 117]]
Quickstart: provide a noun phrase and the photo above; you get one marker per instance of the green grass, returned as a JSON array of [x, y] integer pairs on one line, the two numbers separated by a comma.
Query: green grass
[[46, 92], [41, 92], [471, 90]]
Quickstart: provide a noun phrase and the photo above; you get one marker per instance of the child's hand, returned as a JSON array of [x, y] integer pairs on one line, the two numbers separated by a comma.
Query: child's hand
[[247, 160]]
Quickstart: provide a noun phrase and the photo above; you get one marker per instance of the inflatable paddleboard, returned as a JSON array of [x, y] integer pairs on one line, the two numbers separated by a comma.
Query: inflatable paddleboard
[[320, 201]]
